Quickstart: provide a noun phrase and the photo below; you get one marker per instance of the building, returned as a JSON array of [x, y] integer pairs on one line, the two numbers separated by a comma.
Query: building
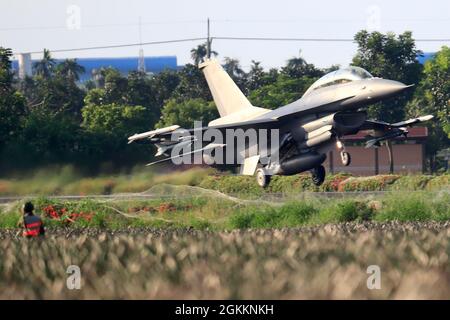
[[24, 63], [123, 64], [425, 57], [408, 155]]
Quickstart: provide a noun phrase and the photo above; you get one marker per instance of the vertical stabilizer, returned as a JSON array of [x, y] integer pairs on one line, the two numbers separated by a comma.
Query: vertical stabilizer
[[227, 96]]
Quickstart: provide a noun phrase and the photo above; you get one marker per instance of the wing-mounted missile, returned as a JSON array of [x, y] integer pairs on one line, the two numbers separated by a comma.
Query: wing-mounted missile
[[152, 134], [385, 131], [392, 134], [163, 148], [411, 122], [165, 139]]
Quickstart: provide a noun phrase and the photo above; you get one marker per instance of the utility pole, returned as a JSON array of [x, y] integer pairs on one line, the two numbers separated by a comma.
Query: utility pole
[[208, 41]]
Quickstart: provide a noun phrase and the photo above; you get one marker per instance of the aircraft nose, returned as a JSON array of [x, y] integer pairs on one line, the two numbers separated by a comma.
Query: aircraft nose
[[382, 88]]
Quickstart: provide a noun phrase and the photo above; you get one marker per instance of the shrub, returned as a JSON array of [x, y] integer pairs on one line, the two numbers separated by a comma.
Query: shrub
[[289, 215], [344, 211], [411, 182], [411, 207], [439, 182], [374, 183]]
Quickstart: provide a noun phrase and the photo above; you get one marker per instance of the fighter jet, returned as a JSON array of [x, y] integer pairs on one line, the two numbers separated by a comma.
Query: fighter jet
[[307, 128]]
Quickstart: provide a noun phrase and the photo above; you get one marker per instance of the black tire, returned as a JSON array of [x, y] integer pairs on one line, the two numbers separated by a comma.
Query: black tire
[[346, 158], [262, 179], [318, 175]]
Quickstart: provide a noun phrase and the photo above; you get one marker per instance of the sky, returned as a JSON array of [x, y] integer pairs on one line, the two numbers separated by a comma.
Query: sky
[[31, 25]]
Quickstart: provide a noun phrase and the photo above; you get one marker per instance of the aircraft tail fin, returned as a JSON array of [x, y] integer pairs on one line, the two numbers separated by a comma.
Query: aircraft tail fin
[[227, 96]]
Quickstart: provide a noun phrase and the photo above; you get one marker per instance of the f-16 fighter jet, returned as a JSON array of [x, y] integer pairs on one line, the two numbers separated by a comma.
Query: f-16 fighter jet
[[305, 129]]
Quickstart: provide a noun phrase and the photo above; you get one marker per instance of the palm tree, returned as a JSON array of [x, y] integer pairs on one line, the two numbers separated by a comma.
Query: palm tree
[[70, 69], [200, 53], [233, 67], [45, 66]]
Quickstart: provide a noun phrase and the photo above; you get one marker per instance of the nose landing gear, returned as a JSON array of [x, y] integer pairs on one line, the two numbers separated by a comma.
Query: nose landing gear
[[346, 159]]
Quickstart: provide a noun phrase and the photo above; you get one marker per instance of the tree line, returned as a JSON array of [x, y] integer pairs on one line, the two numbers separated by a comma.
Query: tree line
[[50, 118]]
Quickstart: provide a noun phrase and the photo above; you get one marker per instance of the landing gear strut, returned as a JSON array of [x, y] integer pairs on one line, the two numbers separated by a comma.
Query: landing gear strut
[[262, 178], [318, 175], [345, 156]]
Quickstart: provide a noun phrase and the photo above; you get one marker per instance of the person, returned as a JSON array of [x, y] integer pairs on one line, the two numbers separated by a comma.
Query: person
[[33, 225]]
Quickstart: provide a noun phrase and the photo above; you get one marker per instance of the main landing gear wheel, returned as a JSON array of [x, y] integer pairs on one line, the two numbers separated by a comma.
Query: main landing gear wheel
[[345, 158], [262, 178], [318, 175]]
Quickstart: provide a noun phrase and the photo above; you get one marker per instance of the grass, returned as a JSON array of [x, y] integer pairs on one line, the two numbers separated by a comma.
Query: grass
[[216, 213], [310, 263], [66, 180]]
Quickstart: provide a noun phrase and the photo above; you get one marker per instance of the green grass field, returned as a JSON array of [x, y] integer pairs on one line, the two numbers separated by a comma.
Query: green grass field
[[193, 207]]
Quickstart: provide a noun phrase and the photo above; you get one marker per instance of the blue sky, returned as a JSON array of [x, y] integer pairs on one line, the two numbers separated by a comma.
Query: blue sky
[[30, 25]]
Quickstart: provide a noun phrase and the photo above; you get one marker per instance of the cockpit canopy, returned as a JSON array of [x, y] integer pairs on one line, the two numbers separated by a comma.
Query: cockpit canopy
[[340, 76]]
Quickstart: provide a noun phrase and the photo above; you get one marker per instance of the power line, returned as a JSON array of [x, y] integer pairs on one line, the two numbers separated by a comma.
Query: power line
[[226, 38], [313, 39], [123, 45], [285, 39]]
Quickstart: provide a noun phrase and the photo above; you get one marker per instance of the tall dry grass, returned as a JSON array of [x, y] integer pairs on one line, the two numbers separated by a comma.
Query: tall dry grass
[[329, 262]]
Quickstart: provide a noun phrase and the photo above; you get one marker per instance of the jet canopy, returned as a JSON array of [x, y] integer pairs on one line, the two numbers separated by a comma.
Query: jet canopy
[[340, 76]]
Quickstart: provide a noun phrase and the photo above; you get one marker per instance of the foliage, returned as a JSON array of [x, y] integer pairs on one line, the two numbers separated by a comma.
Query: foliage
[[185, 113], [199, 53], [389, 57], [12, 103], [283, 91], [436, 86]]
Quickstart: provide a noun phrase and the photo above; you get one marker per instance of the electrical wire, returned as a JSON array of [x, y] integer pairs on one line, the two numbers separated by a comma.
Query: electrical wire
[[225, 38]]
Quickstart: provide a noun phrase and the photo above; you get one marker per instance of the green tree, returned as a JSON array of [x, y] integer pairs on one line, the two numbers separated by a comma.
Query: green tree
[[433, 97], [115, 86], [186, 112], [70, 69], [192, 85], [47, 138], [436, 86], [12, 103], [45, 66], [297, 67], [56, 95], [106, 130], [113, 119], [164, 84], [285, 90], [199, 53], [234, 70], [391, 57]]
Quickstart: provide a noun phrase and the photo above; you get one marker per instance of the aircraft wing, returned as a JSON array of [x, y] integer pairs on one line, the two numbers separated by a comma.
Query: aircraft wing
[[384, 131], [166, 136]]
